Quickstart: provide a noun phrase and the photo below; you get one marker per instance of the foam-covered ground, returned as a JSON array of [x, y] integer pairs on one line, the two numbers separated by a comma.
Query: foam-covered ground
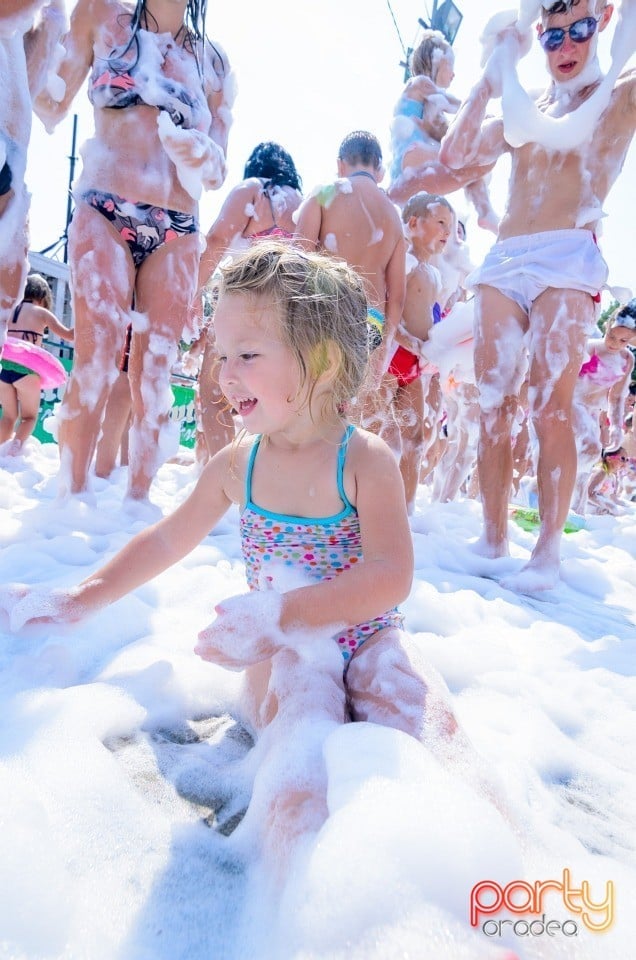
[[124, 768]]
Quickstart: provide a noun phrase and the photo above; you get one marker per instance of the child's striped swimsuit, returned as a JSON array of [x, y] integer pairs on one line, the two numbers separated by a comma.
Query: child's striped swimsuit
[[322, 547]]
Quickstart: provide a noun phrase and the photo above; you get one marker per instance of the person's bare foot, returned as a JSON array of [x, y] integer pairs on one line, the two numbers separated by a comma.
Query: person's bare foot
[[531, 579], [484, 547]]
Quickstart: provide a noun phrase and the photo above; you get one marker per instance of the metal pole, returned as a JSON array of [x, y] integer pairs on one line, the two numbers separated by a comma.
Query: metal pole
[[69, 201]]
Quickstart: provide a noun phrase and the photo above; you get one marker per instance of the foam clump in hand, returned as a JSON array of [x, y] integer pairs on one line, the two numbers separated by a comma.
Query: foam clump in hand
[[246, 630], [200, 162]]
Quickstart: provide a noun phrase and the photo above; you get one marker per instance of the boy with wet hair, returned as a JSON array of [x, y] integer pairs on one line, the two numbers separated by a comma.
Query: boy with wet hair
[[352, 218], [536, 292]]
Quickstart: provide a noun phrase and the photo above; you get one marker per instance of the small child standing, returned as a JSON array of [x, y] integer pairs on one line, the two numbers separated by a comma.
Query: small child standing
[[320, 500], [420, 122], [415, 395]]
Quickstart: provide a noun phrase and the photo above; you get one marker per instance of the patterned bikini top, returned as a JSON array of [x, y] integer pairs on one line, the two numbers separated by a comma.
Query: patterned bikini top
[[119, 82], [322, 547]]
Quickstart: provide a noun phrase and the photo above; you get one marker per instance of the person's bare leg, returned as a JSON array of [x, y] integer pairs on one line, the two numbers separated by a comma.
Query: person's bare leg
[[10, 411], [431, 419], [453, 440], [409, 403], [115, 422], [461, 450], [102, 281], [216, 421], [499, 368], [295, 705], [28, 391], [522, 445], [587, 433], [411, 706], [14, 246], [164, 293], [389, 682], [560, 324]]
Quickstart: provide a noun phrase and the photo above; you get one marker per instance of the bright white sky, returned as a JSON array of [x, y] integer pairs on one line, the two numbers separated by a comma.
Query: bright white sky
[[307, 75]]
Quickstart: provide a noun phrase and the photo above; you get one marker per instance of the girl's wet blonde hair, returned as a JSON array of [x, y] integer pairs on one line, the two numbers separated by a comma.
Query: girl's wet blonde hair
[[323, 311]]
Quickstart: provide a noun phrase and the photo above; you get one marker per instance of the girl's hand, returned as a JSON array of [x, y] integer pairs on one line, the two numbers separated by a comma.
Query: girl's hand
[[246, 630], [25, 605]]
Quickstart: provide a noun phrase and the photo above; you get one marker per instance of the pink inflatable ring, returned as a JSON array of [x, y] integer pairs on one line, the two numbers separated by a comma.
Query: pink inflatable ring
[[40, 361]]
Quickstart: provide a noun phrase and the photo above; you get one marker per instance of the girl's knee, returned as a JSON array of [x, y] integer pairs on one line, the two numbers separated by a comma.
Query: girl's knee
[[385, 687]]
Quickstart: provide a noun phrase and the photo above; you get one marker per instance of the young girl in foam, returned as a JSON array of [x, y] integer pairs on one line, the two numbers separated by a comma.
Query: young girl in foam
[[420, 122], [410, 389], [602, 386], [161, 93], [322, 504], [29, 31]]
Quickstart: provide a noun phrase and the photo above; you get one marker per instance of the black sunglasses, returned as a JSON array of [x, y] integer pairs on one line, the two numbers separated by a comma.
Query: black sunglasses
[[579, 31]]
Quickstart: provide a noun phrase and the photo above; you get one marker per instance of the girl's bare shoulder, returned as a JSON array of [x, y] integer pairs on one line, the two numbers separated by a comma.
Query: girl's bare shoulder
[[228, 467], [366, 448]]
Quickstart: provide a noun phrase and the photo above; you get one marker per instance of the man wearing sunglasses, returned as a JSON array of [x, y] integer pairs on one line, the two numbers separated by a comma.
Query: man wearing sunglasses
[[536, 291]]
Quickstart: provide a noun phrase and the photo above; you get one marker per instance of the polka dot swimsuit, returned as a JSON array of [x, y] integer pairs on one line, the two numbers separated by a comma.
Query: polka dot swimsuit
[[321, 547]]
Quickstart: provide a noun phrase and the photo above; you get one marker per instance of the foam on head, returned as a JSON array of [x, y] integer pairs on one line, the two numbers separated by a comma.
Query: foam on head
[[419, 205], [626, 316], [426, 56], [552, 7]]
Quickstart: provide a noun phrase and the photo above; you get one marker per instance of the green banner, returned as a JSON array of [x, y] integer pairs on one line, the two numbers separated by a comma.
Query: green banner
[[183, 411]]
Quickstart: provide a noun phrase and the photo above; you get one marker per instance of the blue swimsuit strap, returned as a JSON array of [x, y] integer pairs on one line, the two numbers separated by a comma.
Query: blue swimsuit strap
[[342, 456]]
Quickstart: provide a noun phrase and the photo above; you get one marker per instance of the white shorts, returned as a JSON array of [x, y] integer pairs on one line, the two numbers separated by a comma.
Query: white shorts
[[523, 267]]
